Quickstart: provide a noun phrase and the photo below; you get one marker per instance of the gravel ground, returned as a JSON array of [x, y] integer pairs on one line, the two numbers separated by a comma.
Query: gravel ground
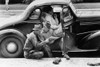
[[47, 62]]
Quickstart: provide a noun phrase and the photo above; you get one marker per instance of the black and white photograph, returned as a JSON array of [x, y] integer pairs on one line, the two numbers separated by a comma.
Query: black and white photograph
[[49, 33]]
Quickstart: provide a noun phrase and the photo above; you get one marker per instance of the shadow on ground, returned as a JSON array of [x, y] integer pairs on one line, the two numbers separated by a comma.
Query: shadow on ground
[[80, 54]]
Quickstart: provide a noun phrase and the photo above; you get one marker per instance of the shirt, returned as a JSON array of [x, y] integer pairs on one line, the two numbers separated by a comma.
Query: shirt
[[47, 34], [51, 20]]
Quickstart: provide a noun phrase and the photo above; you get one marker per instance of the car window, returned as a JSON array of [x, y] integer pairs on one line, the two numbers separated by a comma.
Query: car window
[[67, 16], [35, 14], [66, 12], [57, 8]]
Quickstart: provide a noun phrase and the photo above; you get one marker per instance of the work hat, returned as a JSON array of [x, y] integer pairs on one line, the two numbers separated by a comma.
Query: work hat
[[37, 27]]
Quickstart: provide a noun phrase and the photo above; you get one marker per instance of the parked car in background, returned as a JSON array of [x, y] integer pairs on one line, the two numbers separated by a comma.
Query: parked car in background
[[83, 29]]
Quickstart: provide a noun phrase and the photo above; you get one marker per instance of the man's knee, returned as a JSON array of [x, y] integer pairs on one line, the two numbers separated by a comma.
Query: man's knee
[[33, 55], [26, 54]]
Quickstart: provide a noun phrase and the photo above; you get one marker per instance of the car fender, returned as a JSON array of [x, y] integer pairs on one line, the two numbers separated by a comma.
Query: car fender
[[95, 34], [91, 41], [11, 31]]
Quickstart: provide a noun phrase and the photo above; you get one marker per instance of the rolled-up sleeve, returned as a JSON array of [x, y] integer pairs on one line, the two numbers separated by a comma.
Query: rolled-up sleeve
[[30, 42]]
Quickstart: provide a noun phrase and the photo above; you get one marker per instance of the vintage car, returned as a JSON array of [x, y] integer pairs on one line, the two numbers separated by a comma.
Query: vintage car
[[82, 30]]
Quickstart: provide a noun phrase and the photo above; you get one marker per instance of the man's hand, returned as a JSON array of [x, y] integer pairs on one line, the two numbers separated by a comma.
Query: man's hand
[[39, 46], [32, 51], [49, 40]]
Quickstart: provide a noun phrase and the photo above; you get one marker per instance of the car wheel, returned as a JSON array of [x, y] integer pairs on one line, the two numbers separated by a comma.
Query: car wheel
[[11, 46]]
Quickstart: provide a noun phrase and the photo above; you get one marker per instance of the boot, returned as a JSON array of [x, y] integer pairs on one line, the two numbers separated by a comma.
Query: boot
[[37, 55], [57, 61], [66, 56]]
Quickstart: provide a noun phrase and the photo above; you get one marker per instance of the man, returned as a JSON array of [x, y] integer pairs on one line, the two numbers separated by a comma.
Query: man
[[30, 44], [57, 28], [48, 16], [36, 42]]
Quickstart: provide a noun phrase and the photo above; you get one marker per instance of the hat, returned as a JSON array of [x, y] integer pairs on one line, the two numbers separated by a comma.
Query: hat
[[37, 27]]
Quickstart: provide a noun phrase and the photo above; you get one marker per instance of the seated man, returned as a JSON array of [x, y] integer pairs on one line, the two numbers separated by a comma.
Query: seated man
[[47, 15], [38, 40], [57, 28]]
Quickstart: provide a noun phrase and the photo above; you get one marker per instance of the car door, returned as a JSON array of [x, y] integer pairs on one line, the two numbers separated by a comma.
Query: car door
[[67, 20]]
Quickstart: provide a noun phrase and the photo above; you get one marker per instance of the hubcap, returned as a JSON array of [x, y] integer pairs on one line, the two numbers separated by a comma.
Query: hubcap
[[12, 47]]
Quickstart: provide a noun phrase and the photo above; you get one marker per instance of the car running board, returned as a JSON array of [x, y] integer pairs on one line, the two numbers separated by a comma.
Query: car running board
[[75, 49]]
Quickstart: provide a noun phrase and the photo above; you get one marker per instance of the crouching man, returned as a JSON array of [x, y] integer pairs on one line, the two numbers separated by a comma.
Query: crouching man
[[36, 43]]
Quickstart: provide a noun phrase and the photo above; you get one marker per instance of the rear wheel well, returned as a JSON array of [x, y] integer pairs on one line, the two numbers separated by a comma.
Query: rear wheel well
[[12, 39]]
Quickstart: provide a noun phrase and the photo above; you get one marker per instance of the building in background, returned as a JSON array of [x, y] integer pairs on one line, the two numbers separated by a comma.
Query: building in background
[[16, 1]]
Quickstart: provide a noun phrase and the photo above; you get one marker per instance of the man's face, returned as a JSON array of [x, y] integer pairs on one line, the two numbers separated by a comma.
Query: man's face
[[46, 26], [51, 12]]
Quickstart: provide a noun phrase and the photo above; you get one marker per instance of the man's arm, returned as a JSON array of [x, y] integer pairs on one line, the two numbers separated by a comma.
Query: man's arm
[[54, 27], [29, 45], [50, 40]]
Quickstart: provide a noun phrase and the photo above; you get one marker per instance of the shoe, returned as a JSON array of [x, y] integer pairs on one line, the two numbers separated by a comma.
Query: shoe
[[57, 61], [38, 55], [67, 57], [93, 64]]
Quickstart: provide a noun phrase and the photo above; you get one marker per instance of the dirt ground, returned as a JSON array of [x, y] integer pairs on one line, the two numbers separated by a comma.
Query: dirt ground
[[47, 62]]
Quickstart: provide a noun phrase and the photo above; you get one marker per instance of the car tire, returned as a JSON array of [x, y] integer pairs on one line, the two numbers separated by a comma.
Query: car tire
[[11, 46]]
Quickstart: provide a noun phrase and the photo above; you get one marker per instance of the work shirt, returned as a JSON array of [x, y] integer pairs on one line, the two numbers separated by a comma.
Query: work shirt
[[47, 34], [42, 36], [32, 39], [57, 28], [51, 19]]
